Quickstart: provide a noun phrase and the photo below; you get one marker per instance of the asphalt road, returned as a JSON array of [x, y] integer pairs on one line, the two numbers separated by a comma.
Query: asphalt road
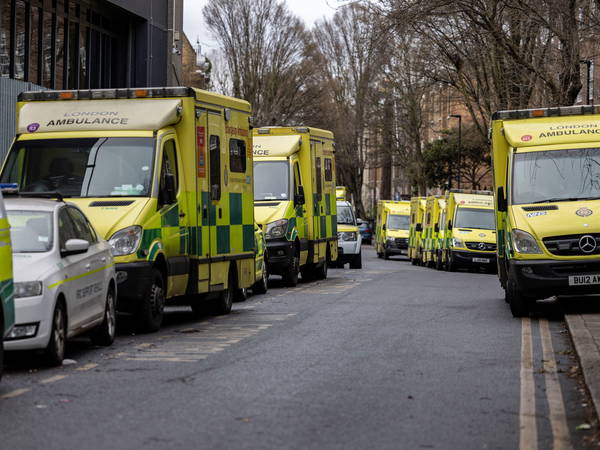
[[390, 356]]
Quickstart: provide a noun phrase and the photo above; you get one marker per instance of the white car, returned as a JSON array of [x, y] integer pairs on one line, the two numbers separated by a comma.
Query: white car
[[349, 238], [64, 277]]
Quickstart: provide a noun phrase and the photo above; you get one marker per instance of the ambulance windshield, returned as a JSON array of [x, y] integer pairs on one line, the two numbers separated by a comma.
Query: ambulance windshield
[[271, 180], [94, 167], [556, 176], [481, 219], [398, 222]]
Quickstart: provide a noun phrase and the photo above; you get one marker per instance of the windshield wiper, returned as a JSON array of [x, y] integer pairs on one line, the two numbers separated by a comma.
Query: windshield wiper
[[560, 199]]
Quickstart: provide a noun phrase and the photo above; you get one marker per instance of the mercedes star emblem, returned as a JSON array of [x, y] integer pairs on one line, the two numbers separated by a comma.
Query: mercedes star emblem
[[481, 246], [587, 243]]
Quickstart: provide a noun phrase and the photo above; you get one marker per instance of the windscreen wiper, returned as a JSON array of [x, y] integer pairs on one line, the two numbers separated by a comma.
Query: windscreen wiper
[[557, 199]]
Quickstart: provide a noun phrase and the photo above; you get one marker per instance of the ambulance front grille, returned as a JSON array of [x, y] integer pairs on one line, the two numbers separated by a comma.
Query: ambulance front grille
[[481, 246], [568, 245]]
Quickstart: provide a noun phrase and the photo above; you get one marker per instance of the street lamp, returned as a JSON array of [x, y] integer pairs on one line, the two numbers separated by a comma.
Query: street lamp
[[459, 117], [590, 80]]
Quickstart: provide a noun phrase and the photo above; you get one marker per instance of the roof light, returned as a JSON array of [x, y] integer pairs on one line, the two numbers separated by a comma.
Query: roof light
[[538, 113], [470, 191], [301, 129], [9, 188], [264, 131], [83, 94], [562, 111]]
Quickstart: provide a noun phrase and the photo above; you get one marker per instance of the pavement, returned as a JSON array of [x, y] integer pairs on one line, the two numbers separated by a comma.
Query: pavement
[[391, 356], [584, 329]]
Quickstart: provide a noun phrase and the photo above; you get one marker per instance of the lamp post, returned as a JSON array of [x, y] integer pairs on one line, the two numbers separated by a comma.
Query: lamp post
[[459, 117], [590, 80]]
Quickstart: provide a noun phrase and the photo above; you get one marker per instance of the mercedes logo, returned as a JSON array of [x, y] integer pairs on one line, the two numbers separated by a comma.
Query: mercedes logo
[[481, 246], [584, 212], [587, 243]]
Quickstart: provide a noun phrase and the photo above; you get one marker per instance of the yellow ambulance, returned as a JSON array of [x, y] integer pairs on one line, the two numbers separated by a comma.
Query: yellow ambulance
[[470, 231], [431, 228], [7, 305], [164, 174], [546, 175], [415, 244], [295, 200], [391, 228]]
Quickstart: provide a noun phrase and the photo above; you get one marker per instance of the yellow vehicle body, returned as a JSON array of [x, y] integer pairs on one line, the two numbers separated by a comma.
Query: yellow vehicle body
[[341, 193], [548, 203], [469, 230], [295, 200], [187, 227], [7, 306], [392, 228], [431, 230], [415, 244]]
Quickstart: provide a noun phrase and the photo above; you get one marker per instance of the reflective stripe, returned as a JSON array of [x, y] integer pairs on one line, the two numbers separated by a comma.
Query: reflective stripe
[[77, 277]]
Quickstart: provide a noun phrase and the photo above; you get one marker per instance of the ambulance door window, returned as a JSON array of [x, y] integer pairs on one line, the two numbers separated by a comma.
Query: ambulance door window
[[319, 180], [169, 169], [328, 170], [215, 167], [237, 155], [297, 180]]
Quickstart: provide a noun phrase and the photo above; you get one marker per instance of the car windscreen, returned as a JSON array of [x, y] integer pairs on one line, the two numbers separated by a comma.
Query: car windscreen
[[556, 175], [94, 167], [398, 222], [271, 180], [482, 219], [345, 216], [30, 231]]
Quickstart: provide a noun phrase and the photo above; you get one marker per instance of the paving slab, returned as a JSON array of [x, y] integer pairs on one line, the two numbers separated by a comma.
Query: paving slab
[[585, 333]]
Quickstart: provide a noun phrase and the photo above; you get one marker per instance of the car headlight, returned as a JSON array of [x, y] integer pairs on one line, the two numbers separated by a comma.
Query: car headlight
[[524, 242], [126, 241], [347, 236], [456, 242], [277, 229], [391, 239], [28, 289]]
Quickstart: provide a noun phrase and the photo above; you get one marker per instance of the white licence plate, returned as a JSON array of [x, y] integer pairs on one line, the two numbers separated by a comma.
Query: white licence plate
[[579, 280], [481, 260]]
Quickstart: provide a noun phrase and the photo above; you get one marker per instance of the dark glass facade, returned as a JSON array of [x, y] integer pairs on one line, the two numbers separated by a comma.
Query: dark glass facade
[[65, 44]]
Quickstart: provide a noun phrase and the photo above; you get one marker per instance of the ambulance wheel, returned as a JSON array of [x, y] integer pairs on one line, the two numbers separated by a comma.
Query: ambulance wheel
[[413, 261], [386, 256], [55, 351], [520, 306], [438, 261], [241, 295], [356, 262], [450, 264], [321, 271], [149, 314], [106, 331], [290, 277], [379, 255], [262, 285], [223, 303]]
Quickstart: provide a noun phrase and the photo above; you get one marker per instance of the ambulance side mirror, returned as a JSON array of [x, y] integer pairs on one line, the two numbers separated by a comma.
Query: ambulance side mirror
[[436, 228], [299, 198], [501, 199], [450, 225], [383, 227], [418, 227]]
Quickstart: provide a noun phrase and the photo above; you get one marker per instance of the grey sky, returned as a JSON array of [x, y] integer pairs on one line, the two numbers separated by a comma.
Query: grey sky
[[308, 10]]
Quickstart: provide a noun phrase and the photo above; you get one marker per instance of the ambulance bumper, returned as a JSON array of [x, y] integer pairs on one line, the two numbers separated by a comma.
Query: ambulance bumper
[[280, 253], [545, 278], [135, 285]]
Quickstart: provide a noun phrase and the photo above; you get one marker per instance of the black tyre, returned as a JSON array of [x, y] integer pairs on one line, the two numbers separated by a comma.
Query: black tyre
[[379, 255], [321, 271], [149, 314], [105, 333], [386, 256], [262, 285], [356, 262], [438, 261], [55, 351], [240, 295], [290, 277], [414, 261], [520, 306], [224, 301], [451, 266]]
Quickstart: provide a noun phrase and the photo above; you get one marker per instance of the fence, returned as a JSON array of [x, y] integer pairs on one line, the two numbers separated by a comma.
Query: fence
[[9, 90]]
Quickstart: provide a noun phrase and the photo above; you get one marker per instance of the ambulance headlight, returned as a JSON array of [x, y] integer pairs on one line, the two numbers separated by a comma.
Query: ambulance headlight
[[28, 289], [457, 242], [524, 242], [347, 236], [126, 241], [277, 229]]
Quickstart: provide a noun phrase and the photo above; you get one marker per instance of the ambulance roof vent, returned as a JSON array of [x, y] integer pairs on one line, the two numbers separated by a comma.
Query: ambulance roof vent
[[301, 129]]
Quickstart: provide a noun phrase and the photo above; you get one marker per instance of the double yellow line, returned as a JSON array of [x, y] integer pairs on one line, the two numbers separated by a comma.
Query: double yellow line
[[528, 436]]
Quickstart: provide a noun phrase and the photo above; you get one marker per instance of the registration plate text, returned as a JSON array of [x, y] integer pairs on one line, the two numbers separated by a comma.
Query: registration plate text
[[579, 280]]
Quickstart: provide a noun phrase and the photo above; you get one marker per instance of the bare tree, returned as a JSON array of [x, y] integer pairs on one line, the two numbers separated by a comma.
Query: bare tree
[[264, 46]]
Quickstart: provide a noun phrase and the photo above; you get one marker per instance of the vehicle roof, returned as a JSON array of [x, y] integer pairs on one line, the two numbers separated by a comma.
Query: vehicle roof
[[343, 203], [31, 204], [287, 131]]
